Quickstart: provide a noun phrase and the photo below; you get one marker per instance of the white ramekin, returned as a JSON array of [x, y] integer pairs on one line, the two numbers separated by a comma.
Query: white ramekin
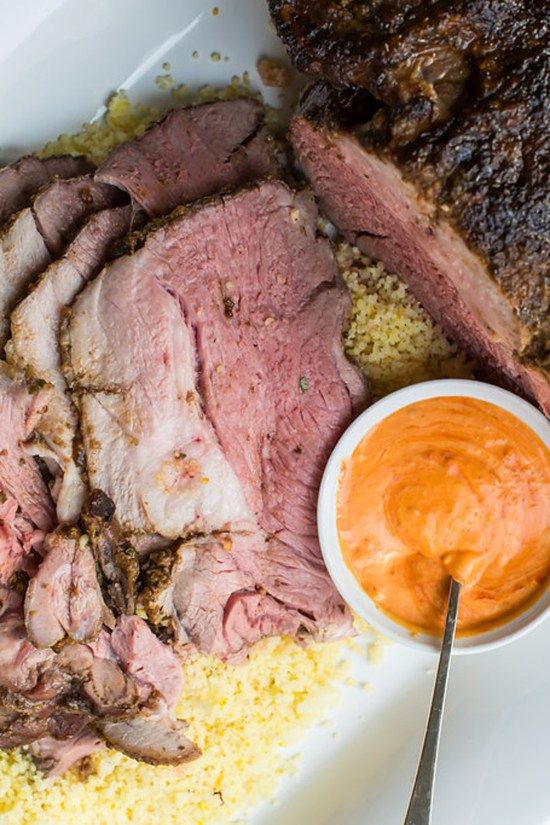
[[344, 579]]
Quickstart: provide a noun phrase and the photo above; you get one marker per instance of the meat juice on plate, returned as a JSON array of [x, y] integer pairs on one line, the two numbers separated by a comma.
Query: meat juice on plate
[[455, 487]]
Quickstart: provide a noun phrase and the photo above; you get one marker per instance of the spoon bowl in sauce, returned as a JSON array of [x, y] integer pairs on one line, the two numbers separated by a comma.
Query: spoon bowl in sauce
[[445, 478]]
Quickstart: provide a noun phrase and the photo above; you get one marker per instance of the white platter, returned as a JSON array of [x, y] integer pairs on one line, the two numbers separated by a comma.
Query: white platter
[[59, 59]]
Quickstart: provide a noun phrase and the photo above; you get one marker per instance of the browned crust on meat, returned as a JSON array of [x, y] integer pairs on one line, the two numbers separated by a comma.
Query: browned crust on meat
[[486, 172], [135, 240], [116, 560], [157, 576]]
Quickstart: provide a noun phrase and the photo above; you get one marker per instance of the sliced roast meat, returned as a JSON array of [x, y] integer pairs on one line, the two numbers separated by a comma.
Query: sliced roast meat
[[102, 702], [223, 593], [42, 725], [11, 598], [492, 302], [173, 355], [268, 323], [102, 689], [18, 729], [295, 574], [62, 701], [54, 757], [21, 406], [275, 385], [158, 739], [19, 540], [147, 444], [21, 663], [285, 390], [146, 659], [115, 556], [208, 593], [34, 346], [22, 179], [64, 597], [246, 308], [37, 234], [124, 671], [64, 204], [188, 587], [97, 686], [192, 153], [250, 617], [23, 255], [131, 697]]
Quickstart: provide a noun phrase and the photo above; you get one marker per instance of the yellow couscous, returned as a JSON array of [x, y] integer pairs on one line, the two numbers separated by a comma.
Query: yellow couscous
[[123, 120], [241, 716], [390, 337]]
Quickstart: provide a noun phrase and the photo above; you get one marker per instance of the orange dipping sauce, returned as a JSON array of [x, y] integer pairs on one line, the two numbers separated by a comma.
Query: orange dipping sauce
[[450, 486]]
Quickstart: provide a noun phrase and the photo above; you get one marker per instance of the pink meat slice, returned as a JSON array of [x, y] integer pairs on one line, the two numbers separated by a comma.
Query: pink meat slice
[[21, 180], [251, 616], [203, 575], [34, 345], [64, 204], [37, 234], [19, 540], [20, 410], [148, 444], [21, 663], [54, 757], [23, 255], [315, 393], [245, 285], [223, 593], [64, 597], [134, 697], [193, 152], [262, 296], [125, 669], [158, 738], [119, 688], [146, 659]]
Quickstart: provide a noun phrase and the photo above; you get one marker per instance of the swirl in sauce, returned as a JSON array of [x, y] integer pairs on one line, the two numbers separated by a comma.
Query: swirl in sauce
[[448, 486]]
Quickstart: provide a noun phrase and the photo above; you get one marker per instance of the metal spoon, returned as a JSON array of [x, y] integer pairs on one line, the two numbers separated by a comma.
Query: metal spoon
[[420, 805]]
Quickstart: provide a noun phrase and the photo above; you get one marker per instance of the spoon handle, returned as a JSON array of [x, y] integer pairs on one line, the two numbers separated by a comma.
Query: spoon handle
[[420, 805]]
